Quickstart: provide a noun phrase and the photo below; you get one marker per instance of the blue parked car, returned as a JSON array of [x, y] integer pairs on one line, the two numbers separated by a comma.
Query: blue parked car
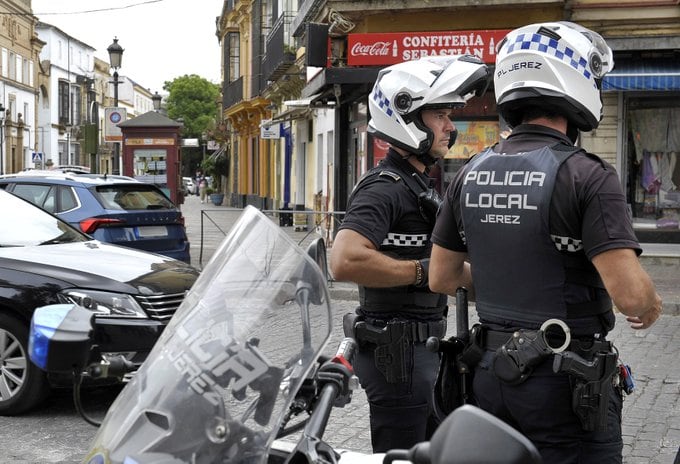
[[113, 209]]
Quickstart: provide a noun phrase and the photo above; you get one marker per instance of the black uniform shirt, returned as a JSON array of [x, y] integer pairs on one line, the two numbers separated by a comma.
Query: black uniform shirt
[[384, 208], [385, 211], [588, 203]]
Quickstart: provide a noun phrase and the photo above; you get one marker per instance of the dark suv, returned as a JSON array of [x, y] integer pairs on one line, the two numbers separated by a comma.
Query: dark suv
[[114, 209], [44, 261]]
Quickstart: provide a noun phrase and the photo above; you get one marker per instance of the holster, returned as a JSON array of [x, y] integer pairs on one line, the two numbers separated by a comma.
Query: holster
[[591, 372], [392, 342]]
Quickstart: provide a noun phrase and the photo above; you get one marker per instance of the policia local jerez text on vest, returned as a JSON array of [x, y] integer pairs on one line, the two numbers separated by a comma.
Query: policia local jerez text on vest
[[505, 202]]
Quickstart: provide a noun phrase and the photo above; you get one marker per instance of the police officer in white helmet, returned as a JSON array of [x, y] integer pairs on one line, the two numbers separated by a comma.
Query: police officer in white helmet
[[538, 231], [383, 243]]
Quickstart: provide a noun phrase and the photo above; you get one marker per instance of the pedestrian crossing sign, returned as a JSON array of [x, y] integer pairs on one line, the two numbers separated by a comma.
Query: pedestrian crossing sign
[[37, 157]]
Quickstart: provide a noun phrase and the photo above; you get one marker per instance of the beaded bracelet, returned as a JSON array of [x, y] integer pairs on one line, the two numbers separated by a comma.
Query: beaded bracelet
[[419, 272]]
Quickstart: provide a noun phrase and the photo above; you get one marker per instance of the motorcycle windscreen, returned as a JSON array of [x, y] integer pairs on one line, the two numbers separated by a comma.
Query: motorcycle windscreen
[[225, 370]]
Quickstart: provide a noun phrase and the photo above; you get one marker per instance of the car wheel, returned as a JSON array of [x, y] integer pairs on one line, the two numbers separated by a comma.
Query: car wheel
[[22, 384]]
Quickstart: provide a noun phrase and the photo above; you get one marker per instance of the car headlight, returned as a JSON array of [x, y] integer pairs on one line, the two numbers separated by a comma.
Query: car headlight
[[104, 304]]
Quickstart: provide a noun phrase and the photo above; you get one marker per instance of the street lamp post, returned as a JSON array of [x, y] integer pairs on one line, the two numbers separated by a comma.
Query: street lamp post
[[115, 58], [156, 98]]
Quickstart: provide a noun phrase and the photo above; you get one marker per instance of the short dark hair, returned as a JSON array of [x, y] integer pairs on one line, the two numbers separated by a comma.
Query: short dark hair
[[531, 112]]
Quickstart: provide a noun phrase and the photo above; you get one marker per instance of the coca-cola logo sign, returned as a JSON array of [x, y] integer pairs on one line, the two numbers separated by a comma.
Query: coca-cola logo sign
[[375, 49]]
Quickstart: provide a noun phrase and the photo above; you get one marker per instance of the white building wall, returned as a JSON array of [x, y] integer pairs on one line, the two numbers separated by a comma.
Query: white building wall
[[69, 58], [324, 130]]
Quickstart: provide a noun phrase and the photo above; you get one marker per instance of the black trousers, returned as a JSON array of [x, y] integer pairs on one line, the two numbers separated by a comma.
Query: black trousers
[[540, 408], [400, 413]]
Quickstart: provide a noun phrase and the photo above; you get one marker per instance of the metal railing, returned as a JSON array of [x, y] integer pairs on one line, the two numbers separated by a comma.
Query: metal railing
[[216, 223]]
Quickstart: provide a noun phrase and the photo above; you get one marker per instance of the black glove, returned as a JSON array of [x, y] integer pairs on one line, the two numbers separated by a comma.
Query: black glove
[[429, 202]]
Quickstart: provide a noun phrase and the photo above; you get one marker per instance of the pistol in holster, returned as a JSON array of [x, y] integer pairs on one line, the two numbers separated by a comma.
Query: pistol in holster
[[393, 343], [592, 382]]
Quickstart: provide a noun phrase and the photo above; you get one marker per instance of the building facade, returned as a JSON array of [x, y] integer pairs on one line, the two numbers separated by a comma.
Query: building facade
[[19, 76], [67, 98], [299, 91]]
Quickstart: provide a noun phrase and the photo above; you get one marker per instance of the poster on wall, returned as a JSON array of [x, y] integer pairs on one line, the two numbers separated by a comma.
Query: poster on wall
[[473, 137]]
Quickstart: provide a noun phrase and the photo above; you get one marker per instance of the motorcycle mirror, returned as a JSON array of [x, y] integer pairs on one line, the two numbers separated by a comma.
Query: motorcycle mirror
[[317, 251], [470, 435], [60, 337]]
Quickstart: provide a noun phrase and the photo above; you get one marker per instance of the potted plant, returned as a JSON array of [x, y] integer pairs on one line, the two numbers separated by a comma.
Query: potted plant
[[215, 166]]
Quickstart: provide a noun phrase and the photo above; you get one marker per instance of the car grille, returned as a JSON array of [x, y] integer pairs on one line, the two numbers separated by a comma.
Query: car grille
[[161, 307]]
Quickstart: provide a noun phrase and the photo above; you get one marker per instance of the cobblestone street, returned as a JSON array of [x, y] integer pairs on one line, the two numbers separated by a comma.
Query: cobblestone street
[[651, 424]]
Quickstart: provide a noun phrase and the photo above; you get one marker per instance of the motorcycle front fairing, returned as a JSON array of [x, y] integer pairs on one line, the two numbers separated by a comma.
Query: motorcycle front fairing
[[225, 370]]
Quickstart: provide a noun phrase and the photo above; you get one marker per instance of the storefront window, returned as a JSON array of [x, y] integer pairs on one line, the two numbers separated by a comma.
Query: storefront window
[[150, 167], [653, 171]]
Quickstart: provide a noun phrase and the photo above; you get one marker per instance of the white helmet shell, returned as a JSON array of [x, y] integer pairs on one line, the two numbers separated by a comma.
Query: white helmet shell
[[558, 65], [403, 90]]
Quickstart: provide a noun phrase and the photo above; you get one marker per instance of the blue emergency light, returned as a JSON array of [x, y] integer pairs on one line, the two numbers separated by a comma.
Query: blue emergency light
[[60, 337]]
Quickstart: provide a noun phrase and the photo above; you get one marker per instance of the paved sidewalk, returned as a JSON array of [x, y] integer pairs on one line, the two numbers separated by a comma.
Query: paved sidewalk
[[651, 423]]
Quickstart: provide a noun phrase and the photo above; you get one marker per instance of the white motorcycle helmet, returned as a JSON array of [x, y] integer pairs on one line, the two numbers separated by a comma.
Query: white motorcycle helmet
[[558, 66], [403, 90]]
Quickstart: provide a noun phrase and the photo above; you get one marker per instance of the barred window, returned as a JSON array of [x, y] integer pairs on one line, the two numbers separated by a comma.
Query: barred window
[[234, 47]]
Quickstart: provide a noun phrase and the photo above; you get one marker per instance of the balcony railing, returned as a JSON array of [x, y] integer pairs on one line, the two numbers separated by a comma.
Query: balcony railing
[[280, 50], [233, 93]]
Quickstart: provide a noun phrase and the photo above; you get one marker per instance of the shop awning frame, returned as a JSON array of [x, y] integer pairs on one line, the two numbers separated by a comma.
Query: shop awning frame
[[646, 74]]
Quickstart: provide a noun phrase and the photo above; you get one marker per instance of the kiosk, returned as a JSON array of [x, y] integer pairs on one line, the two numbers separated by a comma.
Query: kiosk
[[151, 152]]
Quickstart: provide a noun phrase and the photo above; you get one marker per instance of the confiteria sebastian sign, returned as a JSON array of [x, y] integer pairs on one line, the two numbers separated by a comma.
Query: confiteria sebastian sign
[[378, 49]]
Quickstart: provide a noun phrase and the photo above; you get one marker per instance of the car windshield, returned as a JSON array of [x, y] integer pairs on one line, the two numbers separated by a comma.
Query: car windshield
[[136, 196], [31, 225]]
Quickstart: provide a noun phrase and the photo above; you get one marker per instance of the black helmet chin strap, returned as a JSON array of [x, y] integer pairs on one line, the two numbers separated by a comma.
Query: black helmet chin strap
[[429, 160], [572, 132]]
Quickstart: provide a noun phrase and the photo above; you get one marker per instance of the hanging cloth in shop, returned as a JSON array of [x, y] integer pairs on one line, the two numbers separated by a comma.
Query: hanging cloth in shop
[[667, 163], [650, 179]]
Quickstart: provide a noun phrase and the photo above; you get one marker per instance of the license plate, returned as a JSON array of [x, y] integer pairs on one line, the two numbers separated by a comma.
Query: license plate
[[152, 231]]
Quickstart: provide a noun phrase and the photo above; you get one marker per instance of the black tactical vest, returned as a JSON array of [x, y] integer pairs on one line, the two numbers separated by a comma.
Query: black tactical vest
[[401, 244], [518, 271]]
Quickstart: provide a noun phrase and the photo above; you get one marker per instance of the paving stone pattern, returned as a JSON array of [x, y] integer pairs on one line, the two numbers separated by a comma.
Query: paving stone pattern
[[651, 416]]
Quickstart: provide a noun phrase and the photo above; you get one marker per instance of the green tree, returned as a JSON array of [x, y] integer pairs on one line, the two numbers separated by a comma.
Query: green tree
[[194, 100]]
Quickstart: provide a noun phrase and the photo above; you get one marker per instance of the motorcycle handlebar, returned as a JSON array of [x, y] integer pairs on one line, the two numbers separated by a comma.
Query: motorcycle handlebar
[[346, 351], [335, 377]]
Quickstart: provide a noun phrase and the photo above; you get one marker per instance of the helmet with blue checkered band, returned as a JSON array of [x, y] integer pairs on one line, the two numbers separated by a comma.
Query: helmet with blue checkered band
[[403, 90], [557, 66]]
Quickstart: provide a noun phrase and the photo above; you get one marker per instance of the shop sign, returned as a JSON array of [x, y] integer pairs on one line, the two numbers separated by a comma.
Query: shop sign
[[382, 49], [148, 141], [270, 131], [112, 117]]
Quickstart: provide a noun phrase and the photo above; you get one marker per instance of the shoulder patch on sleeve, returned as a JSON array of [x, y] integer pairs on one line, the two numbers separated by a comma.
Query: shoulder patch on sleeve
[[392, 175]]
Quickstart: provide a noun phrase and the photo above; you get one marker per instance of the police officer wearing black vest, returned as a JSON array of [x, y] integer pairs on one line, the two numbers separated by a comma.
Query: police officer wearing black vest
[[538, 231], [383, 243]]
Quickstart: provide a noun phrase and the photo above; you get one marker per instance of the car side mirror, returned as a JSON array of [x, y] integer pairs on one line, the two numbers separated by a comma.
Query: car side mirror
[[60, 338]]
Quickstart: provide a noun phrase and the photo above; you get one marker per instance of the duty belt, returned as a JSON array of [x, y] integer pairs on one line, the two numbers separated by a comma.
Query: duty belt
[[491, 340], [389, 298], [380, 334]]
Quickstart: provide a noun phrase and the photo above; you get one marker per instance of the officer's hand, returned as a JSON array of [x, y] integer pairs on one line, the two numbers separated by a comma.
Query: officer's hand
[[648, 318]]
